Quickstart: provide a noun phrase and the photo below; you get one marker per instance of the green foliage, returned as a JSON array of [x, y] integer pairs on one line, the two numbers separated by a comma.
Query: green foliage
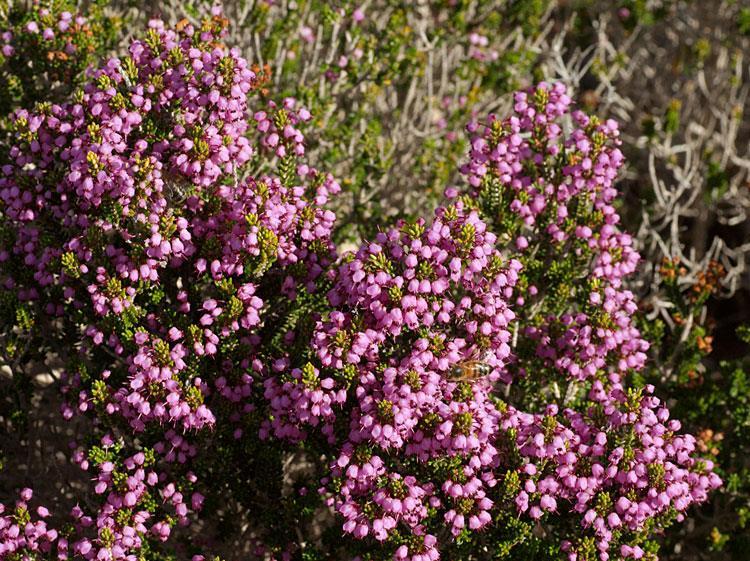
[[743, 21]]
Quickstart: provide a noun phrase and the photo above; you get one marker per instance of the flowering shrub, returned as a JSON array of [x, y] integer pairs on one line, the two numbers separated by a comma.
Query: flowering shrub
[[229, 364]]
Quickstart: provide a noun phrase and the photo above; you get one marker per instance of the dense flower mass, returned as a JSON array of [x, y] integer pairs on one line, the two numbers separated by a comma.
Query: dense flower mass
[[453, 385], [46, 47], [403, 332], [19, 535]]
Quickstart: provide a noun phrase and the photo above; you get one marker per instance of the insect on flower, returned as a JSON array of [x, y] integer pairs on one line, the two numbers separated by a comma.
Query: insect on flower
[[470, 370], [177, 192]]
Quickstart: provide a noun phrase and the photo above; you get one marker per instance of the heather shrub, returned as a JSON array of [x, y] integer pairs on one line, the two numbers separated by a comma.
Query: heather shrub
[[242, 387]]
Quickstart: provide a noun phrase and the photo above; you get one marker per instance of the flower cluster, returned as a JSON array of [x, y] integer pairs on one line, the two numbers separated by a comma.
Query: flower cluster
[[409, 308], [45, 49], [619, 473], [279, 128], [20, 536], [166, 119]]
